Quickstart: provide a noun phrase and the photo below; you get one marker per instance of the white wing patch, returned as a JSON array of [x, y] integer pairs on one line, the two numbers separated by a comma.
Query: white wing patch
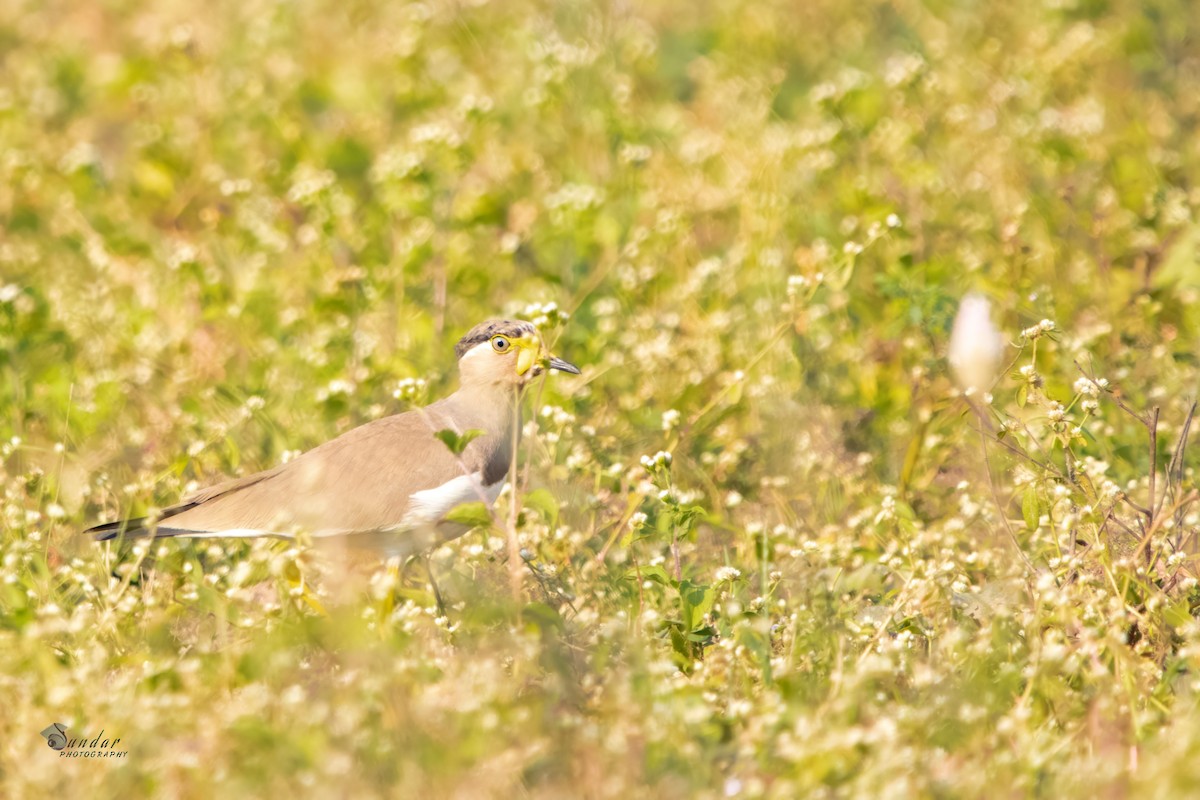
[[230, 533], [429, 506]]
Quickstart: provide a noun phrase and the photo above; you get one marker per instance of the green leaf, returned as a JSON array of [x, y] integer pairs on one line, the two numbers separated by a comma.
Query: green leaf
[[154, 178], [654, 572], [421, 598], [475, 514], [759, 645], [683, 650], [686, 518], [542, 617], [545, 503], [1179, 265], [457, 442], [1178, 613], [1023, 395], [695, 601], [1030, 508]]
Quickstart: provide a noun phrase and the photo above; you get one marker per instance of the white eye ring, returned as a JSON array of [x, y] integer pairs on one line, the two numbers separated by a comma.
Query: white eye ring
[[501, 344]]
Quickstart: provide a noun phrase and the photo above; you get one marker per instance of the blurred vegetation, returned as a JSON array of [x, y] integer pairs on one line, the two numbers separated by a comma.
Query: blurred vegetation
[[230, 231]]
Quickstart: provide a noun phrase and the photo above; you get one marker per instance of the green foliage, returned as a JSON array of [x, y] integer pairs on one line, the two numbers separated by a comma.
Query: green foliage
[[544, 502], [474, 514], [457, 442]]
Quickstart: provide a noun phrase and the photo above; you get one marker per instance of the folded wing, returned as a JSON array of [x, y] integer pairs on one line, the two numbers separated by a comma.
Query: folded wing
[[381, 475]]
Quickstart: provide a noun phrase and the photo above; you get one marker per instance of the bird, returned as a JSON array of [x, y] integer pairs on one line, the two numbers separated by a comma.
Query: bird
[[393, 479]]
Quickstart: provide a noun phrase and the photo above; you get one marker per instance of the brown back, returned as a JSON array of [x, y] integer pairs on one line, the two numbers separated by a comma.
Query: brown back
[[360, 481]]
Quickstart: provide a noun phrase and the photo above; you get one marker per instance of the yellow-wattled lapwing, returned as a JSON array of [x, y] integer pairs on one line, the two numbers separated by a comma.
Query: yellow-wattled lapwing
[[391, 481]]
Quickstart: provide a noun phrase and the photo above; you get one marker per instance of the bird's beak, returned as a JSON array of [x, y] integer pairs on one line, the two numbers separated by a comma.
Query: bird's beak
[[563, 366], [533, 358]]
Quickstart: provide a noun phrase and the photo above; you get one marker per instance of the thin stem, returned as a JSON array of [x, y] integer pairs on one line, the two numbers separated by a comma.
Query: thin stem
[[674, 534], [637, 569], [533, 418], [764, 564], [1153, 426], [1008, 370], [1121, 404], [1175, 469], [1012, 535], [515, 573], [1138, 507], [631, 508], [62, 457], [1019, 452], [675, 552], [1144, 545]]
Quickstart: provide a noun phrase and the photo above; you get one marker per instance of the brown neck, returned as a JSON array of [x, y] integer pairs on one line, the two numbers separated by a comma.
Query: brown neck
[[489, 407], [493, 409]]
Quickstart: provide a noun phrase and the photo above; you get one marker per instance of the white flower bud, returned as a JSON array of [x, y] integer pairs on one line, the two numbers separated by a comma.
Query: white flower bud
[[976, 346]]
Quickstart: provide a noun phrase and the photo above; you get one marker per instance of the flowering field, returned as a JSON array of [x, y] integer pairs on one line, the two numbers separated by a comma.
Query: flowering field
[[876, 482]]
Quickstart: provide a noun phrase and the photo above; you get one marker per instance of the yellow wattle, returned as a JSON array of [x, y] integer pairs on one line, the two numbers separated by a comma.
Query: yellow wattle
[[525, 359]]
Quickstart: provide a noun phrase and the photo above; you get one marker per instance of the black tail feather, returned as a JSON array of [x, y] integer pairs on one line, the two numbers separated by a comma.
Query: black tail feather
[[139, 528], [136, 529], [127, 528]]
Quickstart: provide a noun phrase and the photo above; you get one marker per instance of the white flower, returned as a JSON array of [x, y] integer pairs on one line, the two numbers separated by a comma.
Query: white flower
[[976, 346], [887, 509], [659, 459], [1036, 331], [1089, 387], [728, 574], [337, 386], [634, 153], [545, 315], [409, 389]]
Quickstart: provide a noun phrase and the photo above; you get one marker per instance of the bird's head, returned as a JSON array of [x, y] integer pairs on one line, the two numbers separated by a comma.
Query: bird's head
[[505, 352]]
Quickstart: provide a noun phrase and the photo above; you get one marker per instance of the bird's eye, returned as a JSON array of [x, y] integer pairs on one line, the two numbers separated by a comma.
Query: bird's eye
[[500, 344]]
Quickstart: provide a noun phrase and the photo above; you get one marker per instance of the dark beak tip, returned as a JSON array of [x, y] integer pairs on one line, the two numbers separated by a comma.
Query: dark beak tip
[[564, 366]]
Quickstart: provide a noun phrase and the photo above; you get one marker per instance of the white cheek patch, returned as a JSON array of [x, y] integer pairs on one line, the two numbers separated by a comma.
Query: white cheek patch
[[429, 506], [481, 349]]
